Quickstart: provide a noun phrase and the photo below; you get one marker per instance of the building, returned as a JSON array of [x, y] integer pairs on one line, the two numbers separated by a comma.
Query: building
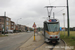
[[22, 28], [12, 25], [1, 23], [7, 21], [16, 27], [26, 28]]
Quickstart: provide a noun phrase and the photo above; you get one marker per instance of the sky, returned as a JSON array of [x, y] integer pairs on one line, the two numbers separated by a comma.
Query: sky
[[26, 12]]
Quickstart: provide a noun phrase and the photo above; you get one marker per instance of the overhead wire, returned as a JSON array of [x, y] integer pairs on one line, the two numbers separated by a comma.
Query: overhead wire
[[49, 13], [59, 11], [53, 1]]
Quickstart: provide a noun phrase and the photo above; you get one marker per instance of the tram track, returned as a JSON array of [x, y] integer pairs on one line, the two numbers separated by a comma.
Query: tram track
[[50, 46]]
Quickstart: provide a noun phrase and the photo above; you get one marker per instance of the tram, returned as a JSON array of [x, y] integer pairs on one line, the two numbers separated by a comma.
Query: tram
[[52, 31]]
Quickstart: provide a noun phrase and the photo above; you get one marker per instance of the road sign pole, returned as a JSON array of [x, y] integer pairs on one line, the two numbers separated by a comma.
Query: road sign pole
[[34, 33], [34, 25]]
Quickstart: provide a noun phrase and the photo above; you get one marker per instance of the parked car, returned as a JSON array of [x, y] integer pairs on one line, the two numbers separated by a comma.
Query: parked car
[[28, 31], [10, 31], [5, 32]]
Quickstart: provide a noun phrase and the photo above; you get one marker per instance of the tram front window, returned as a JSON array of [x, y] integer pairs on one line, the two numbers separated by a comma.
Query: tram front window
[[52, 27]]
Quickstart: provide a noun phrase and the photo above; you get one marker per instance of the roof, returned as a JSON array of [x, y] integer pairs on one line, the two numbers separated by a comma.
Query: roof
[[4, 16]]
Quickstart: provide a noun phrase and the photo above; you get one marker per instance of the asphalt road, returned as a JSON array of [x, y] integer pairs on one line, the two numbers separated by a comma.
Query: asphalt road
[[13, 41]]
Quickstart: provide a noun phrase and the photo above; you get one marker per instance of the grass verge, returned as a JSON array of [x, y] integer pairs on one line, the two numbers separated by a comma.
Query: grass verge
[[3, 35], [69, 40]]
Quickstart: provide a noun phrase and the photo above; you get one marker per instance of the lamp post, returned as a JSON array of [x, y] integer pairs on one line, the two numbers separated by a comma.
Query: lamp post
[[64, 22], [18, 19], [17, 22]]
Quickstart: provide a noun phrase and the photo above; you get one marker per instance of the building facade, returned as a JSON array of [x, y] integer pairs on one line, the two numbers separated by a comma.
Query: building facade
[[12, 25], [22, 28], [7, 21]]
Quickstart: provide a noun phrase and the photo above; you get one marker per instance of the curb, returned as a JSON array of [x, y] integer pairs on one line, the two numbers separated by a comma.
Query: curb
[[18, 48], [64, 42], [38, 46]]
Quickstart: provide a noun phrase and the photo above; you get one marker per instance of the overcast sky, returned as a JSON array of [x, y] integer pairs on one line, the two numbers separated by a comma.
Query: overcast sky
[[33, 11]]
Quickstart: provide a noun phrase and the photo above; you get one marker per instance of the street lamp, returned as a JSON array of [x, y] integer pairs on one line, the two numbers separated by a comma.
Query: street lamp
[[17, 22], [18, 19], [64, 22]]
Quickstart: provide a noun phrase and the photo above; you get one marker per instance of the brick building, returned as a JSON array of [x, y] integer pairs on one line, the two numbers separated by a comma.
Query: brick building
[[7, 23], [22, 28], [12, 25], [16, 27]]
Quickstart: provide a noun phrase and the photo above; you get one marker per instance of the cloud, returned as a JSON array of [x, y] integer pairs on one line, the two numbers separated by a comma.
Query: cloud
[[5, 3], [33, 11]]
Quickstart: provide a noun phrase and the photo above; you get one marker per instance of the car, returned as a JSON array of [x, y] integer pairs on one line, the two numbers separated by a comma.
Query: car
[[10, 31], [5, 32], [28, 31]]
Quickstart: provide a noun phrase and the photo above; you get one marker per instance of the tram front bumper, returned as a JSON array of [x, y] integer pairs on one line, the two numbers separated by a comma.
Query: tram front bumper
[[53, 39]]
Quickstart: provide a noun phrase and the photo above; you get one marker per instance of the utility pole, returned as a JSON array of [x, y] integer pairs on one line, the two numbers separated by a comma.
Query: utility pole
[[49, 12], [4, 21], [68, 18], [53, 15]]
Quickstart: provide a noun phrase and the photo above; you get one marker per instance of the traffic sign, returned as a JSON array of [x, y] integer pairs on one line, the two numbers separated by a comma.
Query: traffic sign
[[34, 25]]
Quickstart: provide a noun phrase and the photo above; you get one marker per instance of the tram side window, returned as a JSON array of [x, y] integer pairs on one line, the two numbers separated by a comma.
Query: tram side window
[[46, 27]]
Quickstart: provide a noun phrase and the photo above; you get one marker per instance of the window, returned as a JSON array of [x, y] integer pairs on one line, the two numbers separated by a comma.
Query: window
[[2, 25], [12, 26], [53, 27], [7, 19], [7, 27], [0, 20], [12, 23], [7, 23]]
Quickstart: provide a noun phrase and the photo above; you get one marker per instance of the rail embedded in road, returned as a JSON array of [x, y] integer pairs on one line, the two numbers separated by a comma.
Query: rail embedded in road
[[51, 46]]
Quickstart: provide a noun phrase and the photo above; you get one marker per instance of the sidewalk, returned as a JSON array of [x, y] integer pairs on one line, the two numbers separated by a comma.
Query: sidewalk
[[15, 33], [31, 44]]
